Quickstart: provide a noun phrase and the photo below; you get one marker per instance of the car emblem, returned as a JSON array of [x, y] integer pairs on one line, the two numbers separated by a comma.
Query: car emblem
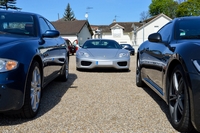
[[104, 56]]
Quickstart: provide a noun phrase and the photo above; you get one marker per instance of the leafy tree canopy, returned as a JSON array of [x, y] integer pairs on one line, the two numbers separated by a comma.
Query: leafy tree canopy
[[69, 14], [8, 4], [188, 8], [168, 7]]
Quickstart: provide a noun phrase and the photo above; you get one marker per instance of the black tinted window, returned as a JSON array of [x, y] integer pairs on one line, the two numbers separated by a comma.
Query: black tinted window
[[50, 25], [166, 31], [188, 29], [20, 24], [43, 25], [109, 44]]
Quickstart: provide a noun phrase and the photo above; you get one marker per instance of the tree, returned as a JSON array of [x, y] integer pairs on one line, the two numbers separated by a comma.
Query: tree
[[8, 4], [144, 15], [69, 14], [167, 7], [188, 8]]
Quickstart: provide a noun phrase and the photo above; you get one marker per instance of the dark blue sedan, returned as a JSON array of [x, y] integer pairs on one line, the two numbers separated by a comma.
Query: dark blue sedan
[[32, 54]]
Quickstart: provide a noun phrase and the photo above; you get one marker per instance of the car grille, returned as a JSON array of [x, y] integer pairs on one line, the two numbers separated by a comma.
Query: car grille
[[86, 63], [124, 63]]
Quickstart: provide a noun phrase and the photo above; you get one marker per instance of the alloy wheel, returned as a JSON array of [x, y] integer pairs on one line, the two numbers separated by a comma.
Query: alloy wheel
[[176, 97], [35, 93]]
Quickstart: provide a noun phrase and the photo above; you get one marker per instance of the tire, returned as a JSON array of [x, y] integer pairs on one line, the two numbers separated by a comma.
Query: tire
[[64, 71], [33, 92], [178, 99], [139, 81]]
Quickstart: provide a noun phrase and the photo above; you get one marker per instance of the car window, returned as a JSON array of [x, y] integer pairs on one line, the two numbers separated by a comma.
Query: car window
[[126, 45], [107, 44], [188, 29], [68, 42], [23, 24], [43, 25], [166, 32], [50, 25]]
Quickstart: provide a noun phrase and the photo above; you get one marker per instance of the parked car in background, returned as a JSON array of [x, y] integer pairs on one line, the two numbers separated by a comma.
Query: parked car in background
[[169, 63], [76, 44], [129, 48], [102, 53], [32, 54], [72, 48]]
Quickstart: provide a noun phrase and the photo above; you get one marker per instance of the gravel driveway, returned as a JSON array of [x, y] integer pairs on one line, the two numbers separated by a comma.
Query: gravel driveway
[[97, 102]]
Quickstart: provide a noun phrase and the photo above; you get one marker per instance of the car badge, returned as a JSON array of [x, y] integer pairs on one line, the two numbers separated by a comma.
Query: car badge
[[104, 56]]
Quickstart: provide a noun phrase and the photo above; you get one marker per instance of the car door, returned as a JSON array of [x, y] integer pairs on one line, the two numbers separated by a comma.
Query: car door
[[61, 47], [50, 52], [155, 58]]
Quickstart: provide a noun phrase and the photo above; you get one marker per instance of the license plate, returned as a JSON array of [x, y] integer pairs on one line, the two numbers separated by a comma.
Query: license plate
[[104, 62]]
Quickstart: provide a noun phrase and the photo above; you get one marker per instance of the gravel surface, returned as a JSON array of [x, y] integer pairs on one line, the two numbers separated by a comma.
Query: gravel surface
[[95, 102]]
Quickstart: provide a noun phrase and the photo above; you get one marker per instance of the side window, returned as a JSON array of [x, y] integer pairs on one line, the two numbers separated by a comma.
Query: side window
[[50, 25], [166, 31], [43, 25]]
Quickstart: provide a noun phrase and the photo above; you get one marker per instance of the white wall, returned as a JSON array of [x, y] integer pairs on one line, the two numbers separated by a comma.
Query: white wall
[[84, 35], [70, 37], [124, 38], [150, 28]]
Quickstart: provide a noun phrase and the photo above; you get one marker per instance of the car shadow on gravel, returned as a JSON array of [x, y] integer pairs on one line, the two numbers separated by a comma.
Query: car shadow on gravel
[[51, 96], [161, 103], [158, 100]]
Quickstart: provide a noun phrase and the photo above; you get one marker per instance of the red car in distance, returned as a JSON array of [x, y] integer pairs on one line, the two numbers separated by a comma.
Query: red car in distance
[[72, 48]]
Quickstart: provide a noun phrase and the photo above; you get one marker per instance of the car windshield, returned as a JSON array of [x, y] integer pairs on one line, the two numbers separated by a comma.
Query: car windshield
[[189, 29], [20, 24], [107, 44]]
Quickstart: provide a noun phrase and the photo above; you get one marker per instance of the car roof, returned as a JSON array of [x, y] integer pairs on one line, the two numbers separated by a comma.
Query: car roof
[[19, 12], [187, 18]]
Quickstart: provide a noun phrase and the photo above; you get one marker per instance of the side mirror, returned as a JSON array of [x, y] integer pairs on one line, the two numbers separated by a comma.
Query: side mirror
[[155, 37], [51, 33]]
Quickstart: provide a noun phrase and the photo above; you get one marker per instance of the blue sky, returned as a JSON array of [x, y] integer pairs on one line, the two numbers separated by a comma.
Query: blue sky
[[101, 12]]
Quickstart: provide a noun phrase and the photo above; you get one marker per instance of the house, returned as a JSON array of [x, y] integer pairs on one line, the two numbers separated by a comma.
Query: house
[[74, 30], [119, 31], [141, 30], [134, 33]]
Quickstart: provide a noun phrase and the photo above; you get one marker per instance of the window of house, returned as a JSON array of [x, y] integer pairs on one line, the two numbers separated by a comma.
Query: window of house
[[116, 32], [156, 28]]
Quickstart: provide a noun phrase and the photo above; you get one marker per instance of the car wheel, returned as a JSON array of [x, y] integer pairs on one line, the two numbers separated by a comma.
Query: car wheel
[[139, 81], [64, 71], [33, 92], [178, 99]]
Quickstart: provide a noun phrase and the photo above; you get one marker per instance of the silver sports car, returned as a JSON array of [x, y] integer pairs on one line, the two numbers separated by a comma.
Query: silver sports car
[[102, 53]]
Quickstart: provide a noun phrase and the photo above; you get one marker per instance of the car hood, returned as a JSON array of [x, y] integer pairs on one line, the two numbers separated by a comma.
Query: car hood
[[12, 39], [102, 53]]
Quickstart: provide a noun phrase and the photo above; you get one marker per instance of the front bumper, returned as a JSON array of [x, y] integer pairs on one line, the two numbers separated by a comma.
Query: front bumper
[[11, 90], [194, 89], [88, 63]]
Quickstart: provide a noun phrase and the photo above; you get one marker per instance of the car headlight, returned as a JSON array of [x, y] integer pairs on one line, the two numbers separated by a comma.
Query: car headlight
[[124, 54], [7, 65], [83, 54]]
